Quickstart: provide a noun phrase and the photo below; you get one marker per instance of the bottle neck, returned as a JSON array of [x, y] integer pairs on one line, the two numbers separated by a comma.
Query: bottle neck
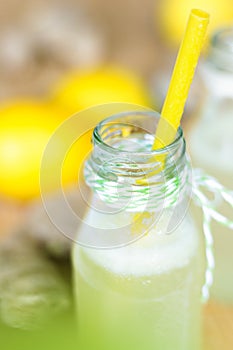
[[124, 171], [217, 70], [221, 50]]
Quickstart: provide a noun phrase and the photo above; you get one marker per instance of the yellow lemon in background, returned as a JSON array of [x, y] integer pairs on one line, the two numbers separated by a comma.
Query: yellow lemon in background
[[173, 15], [25, 129], [79, 90]]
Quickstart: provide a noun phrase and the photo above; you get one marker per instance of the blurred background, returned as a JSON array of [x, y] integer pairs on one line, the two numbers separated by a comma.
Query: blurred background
[[58, 58]]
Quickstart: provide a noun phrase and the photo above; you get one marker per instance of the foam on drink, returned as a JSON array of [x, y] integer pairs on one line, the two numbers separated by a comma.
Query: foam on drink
[[155, 253]]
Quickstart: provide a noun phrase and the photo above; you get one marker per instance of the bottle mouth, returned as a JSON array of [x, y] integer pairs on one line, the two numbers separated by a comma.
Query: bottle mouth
[[123, 147], [123, 164], [223, 39], [133, 124]]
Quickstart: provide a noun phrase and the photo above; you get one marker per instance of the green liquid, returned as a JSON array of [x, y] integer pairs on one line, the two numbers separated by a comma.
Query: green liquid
[[120, 306]]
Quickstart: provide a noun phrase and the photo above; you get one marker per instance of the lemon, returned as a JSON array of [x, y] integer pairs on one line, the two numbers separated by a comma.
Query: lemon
[[173, 16], [25, 129], [83, 89]]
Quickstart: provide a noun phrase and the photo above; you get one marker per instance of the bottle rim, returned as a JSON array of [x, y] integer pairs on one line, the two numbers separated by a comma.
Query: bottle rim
[[98, 137], [221, 49], [223, 39], [154, 179]]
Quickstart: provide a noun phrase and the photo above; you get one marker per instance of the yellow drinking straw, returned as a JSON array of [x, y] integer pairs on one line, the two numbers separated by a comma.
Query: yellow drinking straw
[[181, 78]]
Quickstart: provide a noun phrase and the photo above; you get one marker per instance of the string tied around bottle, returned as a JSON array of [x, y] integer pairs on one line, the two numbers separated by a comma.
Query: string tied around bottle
[[208, 183]]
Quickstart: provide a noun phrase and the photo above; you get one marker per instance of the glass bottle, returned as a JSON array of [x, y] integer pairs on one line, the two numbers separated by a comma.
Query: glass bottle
[[211, 145], [137, 268]]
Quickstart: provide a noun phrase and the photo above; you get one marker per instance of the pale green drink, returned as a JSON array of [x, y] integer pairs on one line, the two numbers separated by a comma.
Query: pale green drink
[[143, 295]]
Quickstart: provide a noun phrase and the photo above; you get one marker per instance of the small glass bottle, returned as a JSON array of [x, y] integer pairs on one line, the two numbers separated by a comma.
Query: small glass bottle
[[211, 146], [138, 267]]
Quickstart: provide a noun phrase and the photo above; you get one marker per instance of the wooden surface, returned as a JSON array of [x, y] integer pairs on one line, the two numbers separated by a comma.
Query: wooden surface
[[218, 327], [218, 319]]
